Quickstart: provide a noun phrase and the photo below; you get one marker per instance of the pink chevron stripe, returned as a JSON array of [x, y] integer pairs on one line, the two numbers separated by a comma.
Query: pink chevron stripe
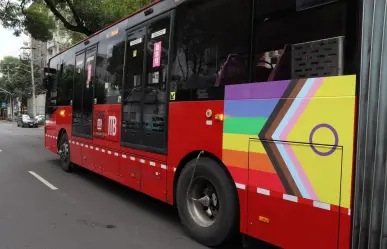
[[304, 103], [284, 135], [301, 172]]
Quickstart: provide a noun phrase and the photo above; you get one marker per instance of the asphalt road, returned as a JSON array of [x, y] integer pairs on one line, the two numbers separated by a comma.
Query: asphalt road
[[80, 210]]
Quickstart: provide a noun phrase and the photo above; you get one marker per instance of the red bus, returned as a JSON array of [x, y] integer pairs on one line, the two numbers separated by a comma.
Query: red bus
[[243, 114]]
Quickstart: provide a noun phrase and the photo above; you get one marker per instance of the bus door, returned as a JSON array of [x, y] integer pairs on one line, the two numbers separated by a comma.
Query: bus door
[[83, 93]]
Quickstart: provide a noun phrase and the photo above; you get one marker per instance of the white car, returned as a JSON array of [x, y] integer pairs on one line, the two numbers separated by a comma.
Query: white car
[[40, 118]]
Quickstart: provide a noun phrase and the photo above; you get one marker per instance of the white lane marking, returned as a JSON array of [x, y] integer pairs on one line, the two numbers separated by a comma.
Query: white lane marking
[[1, 151], [52, 187]]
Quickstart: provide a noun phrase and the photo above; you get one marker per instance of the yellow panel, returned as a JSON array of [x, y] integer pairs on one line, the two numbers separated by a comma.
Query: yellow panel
[[323, 172], [340, 86], [339, 113], [240, 142]]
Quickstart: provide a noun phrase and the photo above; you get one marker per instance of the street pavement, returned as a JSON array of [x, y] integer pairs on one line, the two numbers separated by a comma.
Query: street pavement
[[80, 210]]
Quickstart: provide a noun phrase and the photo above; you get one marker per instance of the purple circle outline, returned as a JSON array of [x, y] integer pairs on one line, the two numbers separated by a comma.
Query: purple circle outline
[[330, 127]]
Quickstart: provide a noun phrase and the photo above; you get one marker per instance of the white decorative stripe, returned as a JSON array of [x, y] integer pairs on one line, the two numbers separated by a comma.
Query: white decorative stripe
[[123, 156], [103, 150], [142, 161], [77, 143], [240, 186], [263, 191], [87, 146], [349, 212], [91, 147], [152, 164], [96, 148], [290, 198], [115, 153], [174, 169], [321, 205], [109, 152], [132, 158], [163, 166]]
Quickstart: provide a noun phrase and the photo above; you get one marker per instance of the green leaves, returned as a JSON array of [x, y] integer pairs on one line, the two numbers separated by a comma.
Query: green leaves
[[78, 17], [16, 77], [39, 23]]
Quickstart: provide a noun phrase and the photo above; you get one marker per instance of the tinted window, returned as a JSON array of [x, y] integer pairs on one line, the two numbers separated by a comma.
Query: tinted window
[[88, 93], [157, 66], [77, 101], [212, 44], [131, 109], [65, 79], [51, 94], [280, 34], [110, 63]]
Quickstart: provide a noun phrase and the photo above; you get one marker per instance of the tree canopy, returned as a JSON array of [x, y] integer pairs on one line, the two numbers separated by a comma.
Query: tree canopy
[[79, 17], [16, 76]]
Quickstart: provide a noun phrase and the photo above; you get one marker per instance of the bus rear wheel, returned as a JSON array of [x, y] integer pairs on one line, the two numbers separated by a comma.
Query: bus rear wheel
[[207, 203], [64, 153]]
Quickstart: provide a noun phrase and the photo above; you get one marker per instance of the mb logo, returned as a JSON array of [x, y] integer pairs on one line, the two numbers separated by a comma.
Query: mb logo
[[112, 128]]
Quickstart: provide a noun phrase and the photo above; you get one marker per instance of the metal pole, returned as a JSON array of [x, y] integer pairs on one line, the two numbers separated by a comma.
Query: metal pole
[[33, 81], [11, 97], [9, 80]]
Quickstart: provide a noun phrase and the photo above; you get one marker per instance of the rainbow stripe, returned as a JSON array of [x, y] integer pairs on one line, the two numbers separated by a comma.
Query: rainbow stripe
[[247, 109]]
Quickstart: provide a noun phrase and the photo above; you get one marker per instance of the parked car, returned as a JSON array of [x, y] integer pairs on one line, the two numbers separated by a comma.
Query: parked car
[[26, 121], [40, 119]]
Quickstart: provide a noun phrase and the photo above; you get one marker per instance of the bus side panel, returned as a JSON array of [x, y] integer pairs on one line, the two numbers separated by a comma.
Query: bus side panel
[[295, 139], [190, 130], [101, 127], [60, 118]]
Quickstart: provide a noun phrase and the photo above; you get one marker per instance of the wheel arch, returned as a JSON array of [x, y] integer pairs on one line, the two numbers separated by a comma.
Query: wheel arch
[[193, 155]]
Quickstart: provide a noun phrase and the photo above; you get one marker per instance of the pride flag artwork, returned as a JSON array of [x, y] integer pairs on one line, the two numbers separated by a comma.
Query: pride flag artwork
[[291, 136]]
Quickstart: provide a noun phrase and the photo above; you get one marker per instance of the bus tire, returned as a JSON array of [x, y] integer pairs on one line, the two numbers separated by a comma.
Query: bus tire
[[64, 152], [205, 216]]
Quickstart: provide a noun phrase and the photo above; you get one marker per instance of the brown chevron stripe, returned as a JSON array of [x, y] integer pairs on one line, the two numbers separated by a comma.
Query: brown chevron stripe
[[275, 156]]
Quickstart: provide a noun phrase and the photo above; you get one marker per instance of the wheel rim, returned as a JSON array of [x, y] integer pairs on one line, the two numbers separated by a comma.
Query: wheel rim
[[203, 202], [64, 152]]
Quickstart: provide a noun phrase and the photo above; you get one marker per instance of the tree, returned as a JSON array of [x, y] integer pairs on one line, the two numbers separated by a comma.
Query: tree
[[16, 77], [79, 16]]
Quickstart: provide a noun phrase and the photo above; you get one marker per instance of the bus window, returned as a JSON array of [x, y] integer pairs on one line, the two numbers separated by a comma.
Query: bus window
[[154, 108], [110, 65], [65, 80], [51, 94], [131, 101], [78, 88], [284, 41], [211, 44]]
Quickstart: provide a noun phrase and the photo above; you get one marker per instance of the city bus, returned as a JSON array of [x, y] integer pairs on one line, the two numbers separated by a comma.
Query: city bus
[[257, 118]]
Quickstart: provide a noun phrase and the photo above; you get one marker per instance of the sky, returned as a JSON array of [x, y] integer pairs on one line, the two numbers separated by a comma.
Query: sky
[[10, 44]]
